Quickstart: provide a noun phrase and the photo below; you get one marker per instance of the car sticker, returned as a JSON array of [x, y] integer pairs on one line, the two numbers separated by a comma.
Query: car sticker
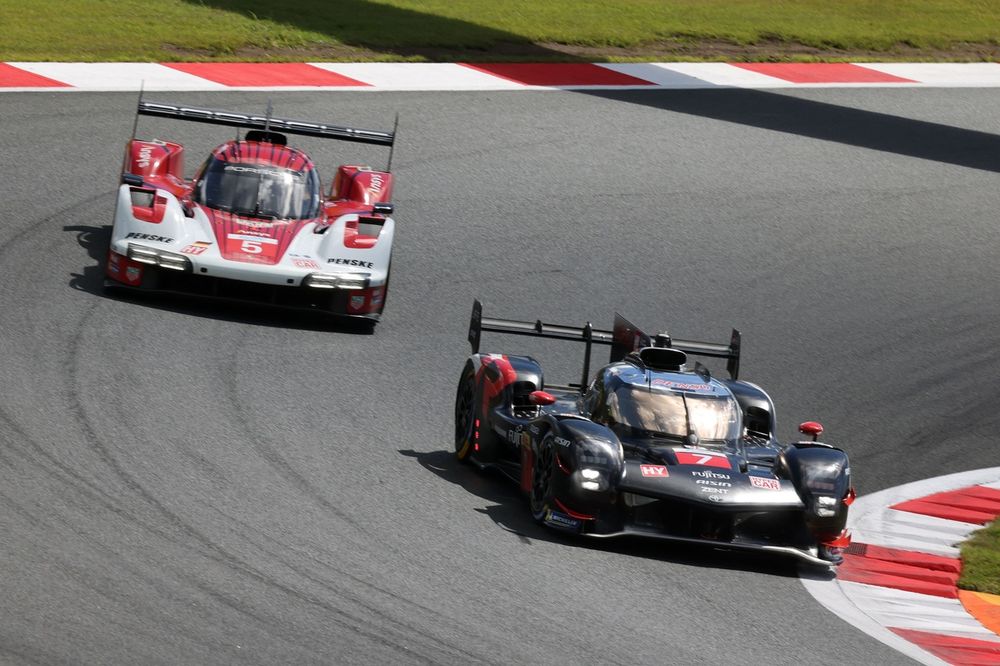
[[705, 458]]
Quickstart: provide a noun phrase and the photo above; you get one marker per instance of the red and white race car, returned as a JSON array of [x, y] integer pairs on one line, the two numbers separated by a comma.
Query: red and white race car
[[254, 224]]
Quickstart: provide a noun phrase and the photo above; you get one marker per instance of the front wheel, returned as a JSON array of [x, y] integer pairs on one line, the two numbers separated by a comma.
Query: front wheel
[[465, 412], [542, 469]]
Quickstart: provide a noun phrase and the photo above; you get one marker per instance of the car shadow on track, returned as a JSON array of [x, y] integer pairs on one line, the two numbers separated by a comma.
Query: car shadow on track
[[95, 240], [509, 510], [825, 121]]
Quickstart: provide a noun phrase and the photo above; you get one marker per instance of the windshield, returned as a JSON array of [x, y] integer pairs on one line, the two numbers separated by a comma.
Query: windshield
[[259, 190], [712, 418]]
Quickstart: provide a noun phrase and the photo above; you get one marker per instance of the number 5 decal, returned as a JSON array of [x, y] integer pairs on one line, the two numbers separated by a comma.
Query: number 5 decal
[[252, 247]]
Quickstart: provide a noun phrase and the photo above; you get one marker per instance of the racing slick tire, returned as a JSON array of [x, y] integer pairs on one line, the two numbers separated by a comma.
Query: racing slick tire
[[465, 412], [542, 469]]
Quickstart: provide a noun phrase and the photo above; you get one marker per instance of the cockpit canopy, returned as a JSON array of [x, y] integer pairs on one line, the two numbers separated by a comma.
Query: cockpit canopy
[[259, 189], [711, 418], [676, 408]]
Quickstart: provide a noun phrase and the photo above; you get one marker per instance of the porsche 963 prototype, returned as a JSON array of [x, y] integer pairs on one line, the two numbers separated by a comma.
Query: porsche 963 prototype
[[254, 223]]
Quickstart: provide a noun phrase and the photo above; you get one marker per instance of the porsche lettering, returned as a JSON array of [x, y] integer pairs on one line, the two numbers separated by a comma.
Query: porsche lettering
[[145, 157]]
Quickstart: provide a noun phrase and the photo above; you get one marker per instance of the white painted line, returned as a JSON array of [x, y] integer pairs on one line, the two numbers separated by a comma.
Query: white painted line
[[112, 76], [912, 610], [723, 74], [660, 74], [967, 74], [419, 76], [910, 531], [833, 595]]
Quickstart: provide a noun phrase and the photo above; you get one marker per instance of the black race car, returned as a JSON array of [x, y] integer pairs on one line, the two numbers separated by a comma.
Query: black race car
[[650, 447]]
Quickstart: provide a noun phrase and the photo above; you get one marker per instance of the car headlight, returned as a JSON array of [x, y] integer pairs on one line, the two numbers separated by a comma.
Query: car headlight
[[161, 258], [825, 506], [336, 280]]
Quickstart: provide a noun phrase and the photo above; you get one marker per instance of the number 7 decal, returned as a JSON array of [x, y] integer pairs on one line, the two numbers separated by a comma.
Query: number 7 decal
[[703, 458]]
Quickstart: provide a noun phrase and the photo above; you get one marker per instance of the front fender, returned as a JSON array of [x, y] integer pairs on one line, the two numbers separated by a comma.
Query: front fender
[[591, 460], [822, 476]]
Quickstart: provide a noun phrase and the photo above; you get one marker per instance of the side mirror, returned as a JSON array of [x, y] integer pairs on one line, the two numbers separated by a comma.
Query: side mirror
[[383, 208], [541, 398], [811, 428]]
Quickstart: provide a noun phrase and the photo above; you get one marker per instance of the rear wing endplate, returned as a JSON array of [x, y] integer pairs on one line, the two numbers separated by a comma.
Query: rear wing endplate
[[623, 339], [264, 123]]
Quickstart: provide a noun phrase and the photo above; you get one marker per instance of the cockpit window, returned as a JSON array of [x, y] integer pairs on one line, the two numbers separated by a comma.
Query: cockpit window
[[257, 190], [712, 418]]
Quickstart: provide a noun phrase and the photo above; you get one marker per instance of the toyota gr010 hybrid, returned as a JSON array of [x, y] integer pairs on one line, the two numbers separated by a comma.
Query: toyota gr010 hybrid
[[650, 446], [254, 223]]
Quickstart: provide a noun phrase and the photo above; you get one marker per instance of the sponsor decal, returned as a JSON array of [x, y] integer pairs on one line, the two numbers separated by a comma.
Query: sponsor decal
[[682, 386], [518, 437], [654, 470], [253, 232], [709, 482], [145, 157], [705, 458], [711, 489], [562, 441], [195, 248], [709, 474], [309, 263], [766, 484], [243, 222], [377, 300], [132, 273], [358, 301], [349, 262], [715, 498], [256, 239], [562, 520], [149, 237]]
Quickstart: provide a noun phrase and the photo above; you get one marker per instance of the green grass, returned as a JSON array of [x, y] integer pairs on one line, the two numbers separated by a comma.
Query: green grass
[[981, 561], [134, 30]]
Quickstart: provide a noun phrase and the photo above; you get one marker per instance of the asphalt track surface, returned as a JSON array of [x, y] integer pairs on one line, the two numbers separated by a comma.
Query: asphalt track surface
[[198, 484]]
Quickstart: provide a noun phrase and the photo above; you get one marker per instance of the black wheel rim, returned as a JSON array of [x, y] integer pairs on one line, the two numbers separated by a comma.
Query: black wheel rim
[[463, 414], [542, 475]]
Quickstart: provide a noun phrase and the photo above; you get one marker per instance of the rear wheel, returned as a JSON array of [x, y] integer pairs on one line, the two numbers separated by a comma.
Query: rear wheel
[[543, 467], [465, 412]]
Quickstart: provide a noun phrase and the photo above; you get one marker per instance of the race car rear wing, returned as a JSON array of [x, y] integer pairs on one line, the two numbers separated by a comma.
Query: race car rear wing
[[265, 123], [623, 339]]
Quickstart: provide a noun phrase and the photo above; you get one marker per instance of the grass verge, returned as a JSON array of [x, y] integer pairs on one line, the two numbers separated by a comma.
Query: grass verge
[[981, 560], [477, 30]]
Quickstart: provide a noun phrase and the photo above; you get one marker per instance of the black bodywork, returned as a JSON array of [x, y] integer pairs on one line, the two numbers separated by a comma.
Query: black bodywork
[[649, 447]]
